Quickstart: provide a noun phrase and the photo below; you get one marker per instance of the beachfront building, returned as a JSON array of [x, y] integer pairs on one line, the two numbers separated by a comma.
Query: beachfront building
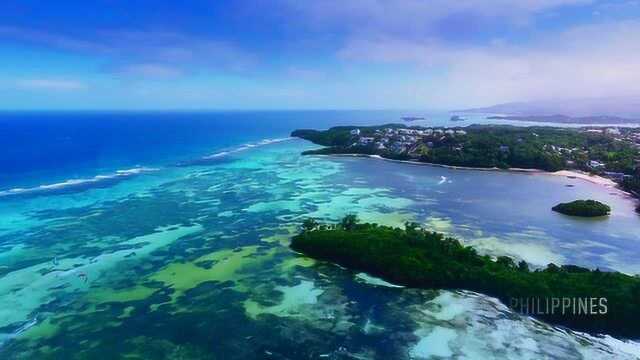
[[366, 140], [616, 176], [594, 131]]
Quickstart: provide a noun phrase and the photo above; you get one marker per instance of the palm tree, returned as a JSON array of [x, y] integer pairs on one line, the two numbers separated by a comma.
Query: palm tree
[[412, 227], [349, 222], [309, 224], [523, 266]]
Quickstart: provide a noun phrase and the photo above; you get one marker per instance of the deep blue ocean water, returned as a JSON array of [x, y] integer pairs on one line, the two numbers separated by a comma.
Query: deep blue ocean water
[[191, 260], [50, 147]]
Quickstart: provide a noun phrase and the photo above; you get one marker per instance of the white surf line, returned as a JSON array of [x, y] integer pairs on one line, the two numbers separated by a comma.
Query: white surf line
[[118, 174], [594, 179], [246, 146]]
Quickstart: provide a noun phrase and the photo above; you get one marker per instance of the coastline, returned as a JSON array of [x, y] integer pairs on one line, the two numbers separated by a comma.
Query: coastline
[[594, 179]]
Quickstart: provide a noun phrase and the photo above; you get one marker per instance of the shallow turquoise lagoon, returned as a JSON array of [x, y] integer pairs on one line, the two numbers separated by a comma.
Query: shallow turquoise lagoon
[[192, 262]]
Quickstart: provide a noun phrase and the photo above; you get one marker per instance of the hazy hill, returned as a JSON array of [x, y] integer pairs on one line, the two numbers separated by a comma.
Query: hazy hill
[[617, 109]]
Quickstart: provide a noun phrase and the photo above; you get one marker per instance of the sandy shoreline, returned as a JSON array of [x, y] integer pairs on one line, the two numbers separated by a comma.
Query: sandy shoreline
[[594, 179], [587, 177]]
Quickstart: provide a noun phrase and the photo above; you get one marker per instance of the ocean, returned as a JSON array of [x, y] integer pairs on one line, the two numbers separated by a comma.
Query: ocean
[[165, 235], [42, 147]]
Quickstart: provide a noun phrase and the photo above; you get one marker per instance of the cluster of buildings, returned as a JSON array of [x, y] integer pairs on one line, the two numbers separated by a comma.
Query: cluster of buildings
[[600, 166], [631, 135], [402, 140], [414, 142]]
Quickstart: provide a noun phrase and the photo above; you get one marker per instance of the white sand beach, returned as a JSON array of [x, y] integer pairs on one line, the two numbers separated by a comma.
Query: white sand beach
[[595, 179], [587, 177]]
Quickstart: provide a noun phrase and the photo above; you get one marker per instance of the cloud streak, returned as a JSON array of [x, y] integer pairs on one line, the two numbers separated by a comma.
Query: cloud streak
[[134, 53], [587, 61], [417, 17], [51, 85], [357, 53]]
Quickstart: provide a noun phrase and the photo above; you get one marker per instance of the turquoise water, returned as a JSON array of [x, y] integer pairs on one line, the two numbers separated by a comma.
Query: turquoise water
[[192, 262], [52, 148]]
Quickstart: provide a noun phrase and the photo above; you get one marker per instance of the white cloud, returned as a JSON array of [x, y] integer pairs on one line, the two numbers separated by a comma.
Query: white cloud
[[303, 73], [435, 53], [151, 70], [595, 60], [411, 17], [144, 53], [175, 48], [51, 85], [587, 61]]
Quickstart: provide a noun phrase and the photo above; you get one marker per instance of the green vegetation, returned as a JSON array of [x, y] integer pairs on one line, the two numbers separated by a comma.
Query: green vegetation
[[336, 136], [632, 185], [501, 147], [418, 258], [595, 150], [584, 208], [309, 224], [488, 146]]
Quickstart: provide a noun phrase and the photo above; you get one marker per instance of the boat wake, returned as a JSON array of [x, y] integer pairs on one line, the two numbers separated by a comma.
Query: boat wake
[[443, 180]]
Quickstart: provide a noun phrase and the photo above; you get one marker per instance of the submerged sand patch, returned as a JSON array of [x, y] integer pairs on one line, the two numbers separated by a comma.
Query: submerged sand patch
[[227, 265], [293, 299]]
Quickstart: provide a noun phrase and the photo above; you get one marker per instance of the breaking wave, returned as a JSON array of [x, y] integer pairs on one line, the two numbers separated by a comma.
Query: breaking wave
[[75, 185], [246, 147], [102, 181], [222, 156]]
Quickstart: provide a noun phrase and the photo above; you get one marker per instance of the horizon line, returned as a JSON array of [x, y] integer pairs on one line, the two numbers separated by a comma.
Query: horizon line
[[213, 110]]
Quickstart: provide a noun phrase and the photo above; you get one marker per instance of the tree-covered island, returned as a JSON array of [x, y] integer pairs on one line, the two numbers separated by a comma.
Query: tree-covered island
[[608, 152], [583, 208], [419, 258]]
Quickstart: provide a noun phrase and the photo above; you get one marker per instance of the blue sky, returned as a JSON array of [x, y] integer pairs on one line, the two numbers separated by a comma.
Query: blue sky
[[324, 54]]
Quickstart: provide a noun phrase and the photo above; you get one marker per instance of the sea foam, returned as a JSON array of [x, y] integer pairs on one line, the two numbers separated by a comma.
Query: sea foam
[[72, 185], [75, 185], [246, 146]]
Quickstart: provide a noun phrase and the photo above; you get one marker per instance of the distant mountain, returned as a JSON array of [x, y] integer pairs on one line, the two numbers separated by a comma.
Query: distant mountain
[[614, 109], [563, 119]]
